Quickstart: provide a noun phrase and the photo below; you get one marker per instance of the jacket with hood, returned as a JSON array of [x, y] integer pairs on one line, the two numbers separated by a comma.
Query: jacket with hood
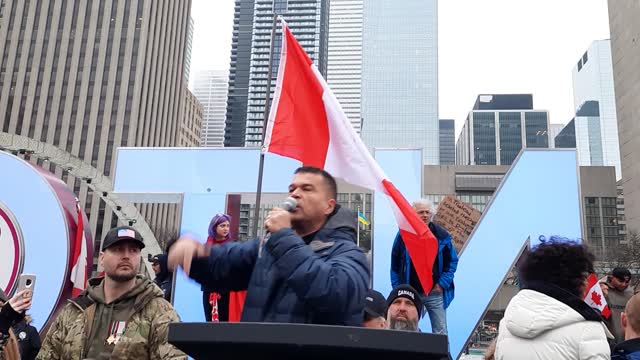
[[544, 321], [443, 269], [322, 279], [83, 326], [164, 277]]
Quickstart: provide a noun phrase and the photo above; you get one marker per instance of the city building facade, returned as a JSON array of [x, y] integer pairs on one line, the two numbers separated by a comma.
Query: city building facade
[[554, 130], [476, 184], [594, 101], [447, 140], [566, 138], [210, 87], [344, 61], [253, 21], [499, 127], [624, 30], [400, 76], [191, 124], [91, 76]]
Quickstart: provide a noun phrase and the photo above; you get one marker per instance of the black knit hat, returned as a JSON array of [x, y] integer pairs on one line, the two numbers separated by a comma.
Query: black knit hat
[[621, 273], [406, 291]]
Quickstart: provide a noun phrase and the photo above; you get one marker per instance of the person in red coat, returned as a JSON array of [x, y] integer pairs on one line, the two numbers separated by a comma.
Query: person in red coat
[[221, 306]]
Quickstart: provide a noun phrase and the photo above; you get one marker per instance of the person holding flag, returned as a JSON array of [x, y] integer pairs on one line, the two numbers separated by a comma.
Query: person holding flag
[[403, 270], [302, 105], [307, 123]]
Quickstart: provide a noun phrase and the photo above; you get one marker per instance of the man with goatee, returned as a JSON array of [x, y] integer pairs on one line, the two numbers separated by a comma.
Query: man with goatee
[[404, 308], [122, 315]]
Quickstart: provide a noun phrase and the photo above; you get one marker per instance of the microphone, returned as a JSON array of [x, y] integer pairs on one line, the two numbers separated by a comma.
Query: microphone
[[289, 204]]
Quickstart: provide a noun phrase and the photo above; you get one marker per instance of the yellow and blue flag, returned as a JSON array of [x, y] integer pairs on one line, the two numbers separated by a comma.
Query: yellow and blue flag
[[362, 219]]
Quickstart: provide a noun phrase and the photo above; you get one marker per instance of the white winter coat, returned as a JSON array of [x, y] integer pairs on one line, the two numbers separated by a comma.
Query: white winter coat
[[537, 326]]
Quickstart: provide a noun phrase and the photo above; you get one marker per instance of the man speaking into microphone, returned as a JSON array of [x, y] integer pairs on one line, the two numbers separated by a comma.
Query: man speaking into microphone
[[307, 270]]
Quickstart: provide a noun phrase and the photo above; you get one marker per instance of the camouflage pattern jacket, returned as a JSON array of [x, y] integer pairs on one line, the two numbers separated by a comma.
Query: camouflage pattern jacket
[[144, 337]]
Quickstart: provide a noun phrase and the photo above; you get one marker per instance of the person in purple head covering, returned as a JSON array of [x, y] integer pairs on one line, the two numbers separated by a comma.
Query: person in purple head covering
[[221, 306], [219, 229]]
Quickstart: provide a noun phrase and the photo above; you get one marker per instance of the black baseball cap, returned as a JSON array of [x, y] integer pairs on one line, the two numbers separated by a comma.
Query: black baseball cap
[[621, 273], [406, 291], [155, 259], [122, 233], [375, 304]]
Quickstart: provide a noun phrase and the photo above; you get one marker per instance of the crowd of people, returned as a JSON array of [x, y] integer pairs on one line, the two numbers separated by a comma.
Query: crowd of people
[[310, 270]]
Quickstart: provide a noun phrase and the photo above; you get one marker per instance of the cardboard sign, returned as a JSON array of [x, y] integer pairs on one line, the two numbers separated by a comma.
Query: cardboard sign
[[459, 218]]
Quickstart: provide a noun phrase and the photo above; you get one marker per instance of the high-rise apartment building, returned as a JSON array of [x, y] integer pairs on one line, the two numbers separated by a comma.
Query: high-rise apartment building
[[447, 139], [593, 92], [625, 49], [400, 75], [344, 62], [90, 76], [499, 127], [210, 87], [253, 19]]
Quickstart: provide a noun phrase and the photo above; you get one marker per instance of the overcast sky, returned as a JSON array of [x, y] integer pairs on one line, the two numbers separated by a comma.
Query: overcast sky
[[485, 46]]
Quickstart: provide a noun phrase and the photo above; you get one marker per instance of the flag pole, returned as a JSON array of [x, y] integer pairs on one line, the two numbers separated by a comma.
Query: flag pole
[[267, 103], [358, 230]]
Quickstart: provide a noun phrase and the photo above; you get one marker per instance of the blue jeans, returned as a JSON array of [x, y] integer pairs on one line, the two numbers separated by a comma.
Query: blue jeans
[[437, 314]]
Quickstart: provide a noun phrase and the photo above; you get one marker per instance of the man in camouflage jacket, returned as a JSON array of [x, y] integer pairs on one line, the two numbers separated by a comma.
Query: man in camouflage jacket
[[120, 316]]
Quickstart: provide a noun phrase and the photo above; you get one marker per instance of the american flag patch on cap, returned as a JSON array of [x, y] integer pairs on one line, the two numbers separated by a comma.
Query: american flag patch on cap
[[126, 233]]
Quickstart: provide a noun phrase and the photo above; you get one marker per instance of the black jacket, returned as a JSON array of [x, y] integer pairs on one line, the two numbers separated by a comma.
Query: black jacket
[[323, 280], [28, 340], [164, 278]]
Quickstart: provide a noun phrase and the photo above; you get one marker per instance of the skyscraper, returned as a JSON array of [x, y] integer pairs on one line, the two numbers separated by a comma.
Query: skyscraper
[[499, 127], [309, 22], [593, 83], [400, 75], [588, 131], [344, 64], [187, 52], [447, 142], [566, 138], [90, 76], [624, 29], [236, 116], [210, 87]]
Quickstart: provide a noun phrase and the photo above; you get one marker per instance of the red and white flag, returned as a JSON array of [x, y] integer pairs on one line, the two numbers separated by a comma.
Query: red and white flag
[[595, 297], [79, 259], [307, 123]]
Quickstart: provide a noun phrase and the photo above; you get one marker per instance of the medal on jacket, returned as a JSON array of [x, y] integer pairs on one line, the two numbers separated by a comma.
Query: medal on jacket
[[115, 331]]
